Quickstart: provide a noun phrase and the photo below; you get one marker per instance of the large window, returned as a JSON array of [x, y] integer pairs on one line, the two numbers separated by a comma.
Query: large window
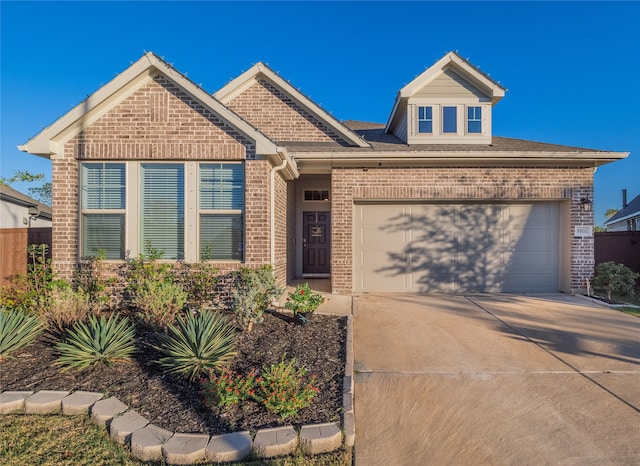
[[425, 119], [102, 204], [188, 211], [221, 211], [474, 119], [449, 119]]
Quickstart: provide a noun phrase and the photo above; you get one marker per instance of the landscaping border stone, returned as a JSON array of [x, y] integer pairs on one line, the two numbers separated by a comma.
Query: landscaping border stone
[[152, 443]]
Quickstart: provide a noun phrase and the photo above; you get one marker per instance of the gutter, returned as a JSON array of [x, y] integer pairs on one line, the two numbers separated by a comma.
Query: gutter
[[273, 208]]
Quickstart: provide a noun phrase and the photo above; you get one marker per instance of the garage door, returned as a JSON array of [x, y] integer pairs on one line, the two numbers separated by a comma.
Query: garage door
[[456, 247]]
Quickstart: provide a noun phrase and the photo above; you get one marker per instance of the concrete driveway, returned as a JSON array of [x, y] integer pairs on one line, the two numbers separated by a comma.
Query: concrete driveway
[[495, 379]]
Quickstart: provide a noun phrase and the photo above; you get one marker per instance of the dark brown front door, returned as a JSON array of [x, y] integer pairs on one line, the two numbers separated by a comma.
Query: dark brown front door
[[316, 245]]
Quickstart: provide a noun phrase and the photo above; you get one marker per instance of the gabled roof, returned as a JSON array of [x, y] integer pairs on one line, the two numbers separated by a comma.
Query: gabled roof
[[631, 210], [7, 193], [451, 60], [50, 141], [238, 85]]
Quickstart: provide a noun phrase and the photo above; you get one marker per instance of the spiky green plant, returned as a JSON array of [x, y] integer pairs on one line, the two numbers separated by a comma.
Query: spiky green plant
[[197, 344], [17, 330], [104, 341]]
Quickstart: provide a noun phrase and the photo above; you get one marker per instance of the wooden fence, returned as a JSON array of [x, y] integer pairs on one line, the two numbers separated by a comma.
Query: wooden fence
[[621, 247], [13, 249]]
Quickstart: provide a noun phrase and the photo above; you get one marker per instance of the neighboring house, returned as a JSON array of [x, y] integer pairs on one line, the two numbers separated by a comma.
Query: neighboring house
[[259, 174], [628, 217], [23, 221], [18, 210]]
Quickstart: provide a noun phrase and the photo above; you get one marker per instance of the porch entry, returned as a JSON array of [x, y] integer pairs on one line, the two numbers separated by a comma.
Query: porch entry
[[316, 244]]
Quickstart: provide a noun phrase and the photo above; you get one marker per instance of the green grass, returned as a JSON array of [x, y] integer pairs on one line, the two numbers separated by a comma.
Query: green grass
[[61, 440], [634, 311]]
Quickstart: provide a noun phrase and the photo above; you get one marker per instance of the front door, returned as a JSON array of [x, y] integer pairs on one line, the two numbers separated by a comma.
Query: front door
[[316, 254]]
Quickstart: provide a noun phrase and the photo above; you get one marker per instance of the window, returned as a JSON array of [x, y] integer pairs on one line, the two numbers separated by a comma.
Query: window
[[474, 119], [316, 195], [449, 120], [102, 205], [425, 119], [221, 211], [189, 211], [162, 208]]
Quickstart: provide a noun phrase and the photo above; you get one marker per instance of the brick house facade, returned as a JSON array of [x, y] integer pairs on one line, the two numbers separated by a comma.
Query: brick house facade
[[314, 188]]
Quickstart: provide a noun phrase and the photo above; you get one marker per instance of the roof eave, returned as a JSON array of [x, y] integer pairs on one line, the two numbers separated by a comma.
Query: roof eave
[[50, 141]]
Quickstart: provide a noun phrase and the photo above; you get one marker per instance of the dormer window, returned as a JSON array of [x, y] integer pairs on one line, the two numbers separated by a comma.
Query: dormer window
[[425, 120], [474, 119], [449, 119], [450, 103]]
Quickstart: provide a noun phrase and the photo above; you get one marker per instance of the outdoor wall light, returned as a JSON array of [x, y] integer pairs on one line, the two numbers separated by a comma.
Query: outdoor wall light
[[586, 204]]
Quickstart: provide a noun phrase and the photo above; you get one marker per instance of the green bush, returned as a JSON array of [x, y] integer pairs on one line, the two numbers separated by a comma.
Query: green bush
[[253, 293], [98, 342], [615, 279], [197, 345], [282, 391], [17, 330], [159, 302], [229, 388], [200, 281]]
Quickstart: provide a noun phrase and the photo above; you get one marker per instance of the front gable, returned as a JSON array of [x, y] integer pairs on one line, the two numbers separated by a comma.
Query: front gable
[[159, 120], [281, 112], [147, 97]]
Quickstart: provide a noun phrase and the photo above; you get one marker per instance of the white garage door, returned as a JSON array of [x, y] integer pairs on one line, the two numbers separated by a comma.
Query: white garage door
[[456, 247]]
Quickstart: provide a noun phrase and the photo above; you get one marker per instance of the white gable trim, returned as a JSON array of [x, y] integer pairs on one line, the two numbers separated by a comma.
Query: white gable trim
[[247, 79], [492, 89], [49, 142], [485, 84]]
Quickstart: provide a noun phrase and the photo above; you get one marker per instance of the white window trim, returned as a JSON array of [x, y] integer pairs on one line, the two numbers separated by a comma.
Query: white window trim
[[132, 233]]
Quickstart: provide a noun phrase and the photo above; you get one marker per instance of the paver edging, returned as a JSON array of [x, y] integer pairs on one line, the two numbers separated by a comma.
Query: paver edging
[[15, 403]]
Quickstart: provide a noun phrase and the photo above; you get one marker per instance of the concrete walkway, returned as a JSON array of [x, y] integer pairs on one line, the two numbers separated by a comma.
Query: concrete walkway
[[495, 379]]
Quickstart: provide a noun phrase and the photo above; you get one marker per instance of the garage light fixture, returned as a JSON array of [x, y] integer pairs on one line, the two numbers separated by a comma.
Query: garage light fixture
[[586, 204]]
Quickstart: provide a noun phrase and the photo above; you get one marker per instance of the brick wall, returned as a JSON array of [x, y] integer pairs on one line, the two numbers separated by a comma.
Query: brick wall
[[278, 117], [453, 183], [157, 122]]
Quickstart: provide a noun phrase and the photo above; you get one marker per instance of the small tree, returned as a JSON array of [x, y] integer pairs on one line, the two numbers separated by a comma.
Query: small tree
[[615, 278]]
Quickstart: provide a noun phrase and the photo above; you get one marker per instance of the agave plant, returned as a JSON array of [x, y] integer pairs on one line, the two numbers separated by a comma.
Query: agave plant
[[17, 330], [197, 345], [105, 341]]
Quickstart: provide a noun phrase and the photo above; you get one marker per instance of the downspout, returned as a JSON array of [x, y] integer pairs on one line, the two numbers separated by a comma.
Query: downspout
[[273, 208]]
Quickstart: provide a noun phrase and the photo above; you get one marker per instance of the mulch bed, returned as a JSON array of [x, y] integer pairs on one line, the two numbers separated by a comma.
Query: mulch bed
[[178, 405]]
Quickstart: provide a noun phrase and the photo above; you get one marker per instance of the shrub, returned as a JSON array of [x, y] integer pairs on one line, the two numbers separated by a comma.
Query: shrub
[[17, 330], [229, 388], [66, 307], [198, 345], [98, 342], [90, 278], [254, 291], [200, 281], [615, 278], [159, 302], [32, 292], [303, 300], [147, 268], [282, 391]]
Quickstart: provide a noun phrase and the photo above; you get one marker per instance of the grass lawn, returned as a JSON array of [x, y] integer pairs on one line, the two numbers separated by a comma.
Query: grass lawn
[[61, 440]]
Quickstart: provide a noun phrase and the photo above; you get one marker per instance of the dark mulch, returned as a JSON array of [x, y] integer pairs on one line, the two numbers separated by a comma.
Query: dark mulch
[[178, 405]]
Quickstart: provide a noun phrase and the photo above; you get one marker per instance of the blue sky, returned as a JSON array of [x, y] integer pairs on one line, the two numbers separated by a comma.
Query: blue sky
[[572, 69]]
